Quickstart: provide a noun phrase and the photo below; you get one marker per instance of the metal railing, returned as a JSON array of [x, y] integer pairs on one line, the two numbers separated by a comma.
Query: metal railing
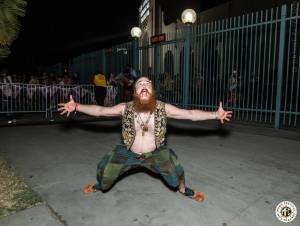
[[250, 62], [33, 98]]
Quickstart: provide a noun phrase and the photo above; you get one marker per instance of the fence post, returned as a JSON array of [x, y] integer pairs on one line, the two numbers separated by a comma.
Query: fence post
[[136, 55], [186, 64], [46, 103], [157, 70], [280, 65]]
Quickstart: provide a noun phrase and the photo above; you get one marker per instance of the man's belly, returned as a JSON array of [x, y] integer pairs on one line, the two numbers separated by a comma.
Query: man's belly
[[143, 144]]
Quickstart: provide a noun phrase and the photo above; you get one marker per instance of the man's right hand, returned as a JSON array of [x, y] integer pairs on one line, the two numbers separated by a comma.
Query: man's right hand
[[67, 108]]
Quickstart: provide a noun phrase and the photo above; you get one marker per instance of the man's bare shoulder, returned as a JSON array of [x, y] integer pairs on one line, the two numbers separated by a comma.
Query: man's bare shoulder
[[175, 112], [160, 102], [169, 106], [121, 106]]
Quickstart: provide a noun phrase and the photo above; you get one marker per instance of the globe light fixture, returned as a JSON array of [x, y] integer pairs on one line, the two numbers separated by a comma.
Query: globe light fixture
[[136, 32], [188, 16]]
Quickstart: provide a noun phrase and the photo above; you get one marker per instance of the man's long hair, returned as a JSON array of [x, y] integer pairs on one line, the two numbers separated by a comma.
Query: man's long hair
[[142, 105]]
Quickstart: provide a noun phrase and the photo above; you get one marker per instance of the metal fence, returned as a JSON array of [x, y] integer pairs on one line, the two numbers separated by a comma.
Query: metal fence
[[28, 98], [250, 62]]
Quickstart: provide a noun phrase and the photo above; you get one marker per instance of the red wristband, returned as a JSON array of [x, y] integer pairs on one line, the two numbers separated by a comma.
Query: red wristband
[[76, 107]]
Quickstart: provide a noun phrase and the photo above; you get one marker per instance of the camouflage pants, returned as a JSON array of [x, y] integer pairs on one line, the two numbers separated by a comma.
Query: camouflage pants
[[162, 161]]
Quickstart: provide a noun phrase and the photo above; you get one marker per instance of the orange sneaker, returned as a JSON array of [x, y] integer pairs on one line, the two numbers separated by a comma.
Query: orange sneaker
[[89, 189], [198, 196]]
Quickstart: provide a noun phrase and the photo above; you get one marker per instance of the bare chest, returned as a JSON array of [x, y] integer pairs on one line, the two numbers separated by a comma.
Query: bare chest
[[144, 123]]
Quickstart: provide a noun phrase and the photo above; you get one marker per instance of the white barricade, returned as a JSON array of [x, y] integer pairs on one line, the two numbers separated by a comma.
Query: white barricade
[[23, 98], [110, 99]]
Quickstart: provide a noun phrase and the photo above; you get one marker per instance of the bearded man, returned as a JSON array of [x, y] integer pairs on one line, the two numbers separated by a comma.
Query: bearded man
[[144, 122]]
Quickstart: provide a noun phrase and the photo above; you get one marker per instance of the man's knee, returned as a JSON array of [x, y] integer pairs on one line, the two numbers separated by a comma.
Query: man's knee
[[172, 173], [108, 175], [173, 180], [168, 163], [107, 178], [104, 161], [106, 184]]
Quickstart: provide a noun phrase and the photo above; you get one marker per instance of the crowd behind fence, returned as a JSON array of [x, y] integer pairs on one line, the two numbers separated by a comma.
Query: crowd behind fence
[[34, 98], [250, 62]]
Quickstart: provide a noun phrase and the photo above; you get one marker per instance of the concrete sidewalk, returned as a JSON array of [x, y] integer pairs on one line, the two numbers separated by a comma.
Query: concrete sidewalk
[[40, 215], [244, 172]]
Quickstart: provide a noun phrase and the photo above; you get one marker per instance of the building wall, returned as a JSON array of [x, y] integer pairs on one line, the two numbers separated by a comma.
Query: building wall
[[232, 8], [237, 8], [156, 25]]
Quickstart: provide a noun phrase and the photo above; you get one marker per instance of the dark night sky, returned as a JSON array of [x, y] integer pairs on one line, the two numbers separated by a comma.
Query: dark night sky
[[52, 30]]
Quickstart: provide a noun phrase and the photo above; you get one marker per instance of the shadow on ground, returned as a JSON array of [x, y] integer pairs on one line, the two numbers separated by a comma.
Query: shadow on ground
[[90, 127], [172, 129], [141, 170], [198, 132]]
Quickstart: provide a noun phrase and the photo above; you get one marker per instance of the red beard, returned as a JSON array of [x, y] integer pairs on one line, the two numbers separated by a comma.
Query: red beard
[[144, 105]]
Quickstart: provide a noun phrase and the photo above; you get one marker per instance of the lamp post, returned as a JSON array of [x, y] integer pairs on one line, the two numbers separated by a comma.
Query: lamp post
[[188, 17], [136, 33]]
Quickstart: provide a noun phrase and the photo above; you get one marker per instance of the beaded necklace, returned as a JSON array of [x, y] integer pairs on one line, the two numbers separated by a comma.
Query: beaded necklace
[[143, 125]]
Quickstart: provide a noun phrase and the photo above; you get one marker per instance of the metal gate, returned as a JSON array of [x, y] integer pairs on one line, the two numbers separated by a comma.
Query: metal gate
[[251, 63]]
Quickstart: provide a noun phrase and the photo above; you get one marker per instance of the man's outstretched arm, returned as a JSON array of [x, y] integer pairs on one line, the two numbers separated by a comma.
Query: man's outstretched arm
[[197, 115], [93, 110]]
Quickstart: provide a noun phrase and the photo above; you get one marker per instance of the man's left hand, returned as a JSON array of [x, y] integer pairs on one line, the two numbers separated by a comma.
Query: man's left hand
[[222, 114]]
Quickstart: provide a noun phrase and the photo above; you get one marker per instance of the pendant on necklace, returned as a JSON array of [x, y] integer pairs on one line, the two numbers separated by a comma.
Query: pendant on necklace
[[144, 129]]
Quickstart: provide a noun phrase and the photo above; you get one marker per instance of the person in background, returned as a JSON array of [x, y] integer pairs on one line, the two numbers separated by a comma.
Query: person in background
[[130, 72], [8, 93], [130, 77], [52, 79], [167, 85], [44, 79], [233, 83], [67, 80], [5, 77], [111, 80], [100, 83], [76, 78], [60, 80], [112, 90], [33, 80]]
